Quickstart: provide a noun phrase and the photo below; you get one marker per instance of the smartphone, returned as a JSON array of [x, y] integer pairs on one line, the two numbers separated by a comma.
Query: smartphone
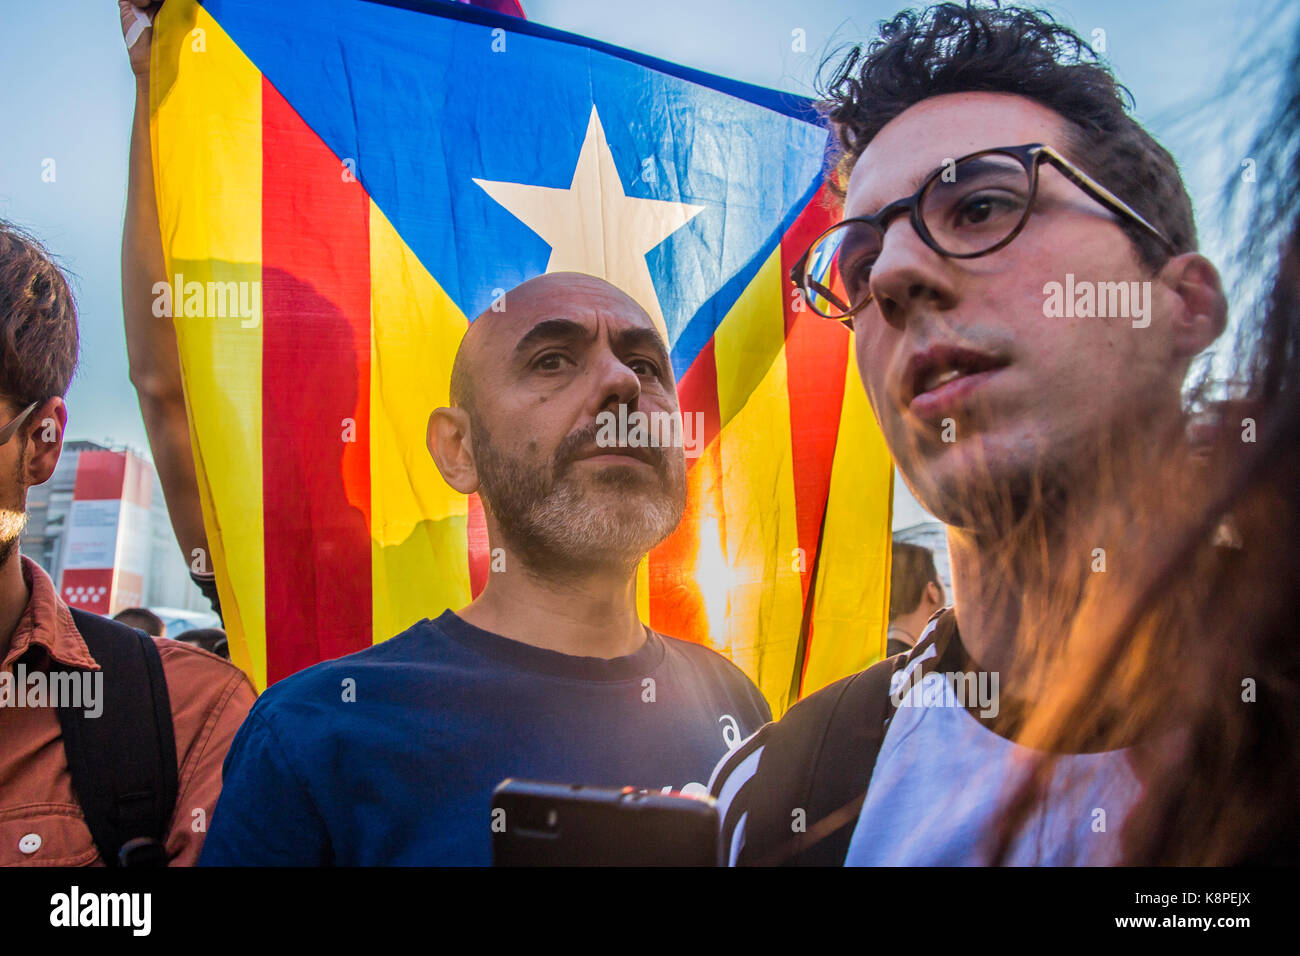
[[557, 824]]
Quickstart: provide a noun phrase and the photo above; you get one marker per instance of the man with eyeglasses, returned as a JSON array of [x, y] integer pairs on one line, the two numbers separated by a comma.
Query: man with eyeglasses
[[988, 160], [112, 743]]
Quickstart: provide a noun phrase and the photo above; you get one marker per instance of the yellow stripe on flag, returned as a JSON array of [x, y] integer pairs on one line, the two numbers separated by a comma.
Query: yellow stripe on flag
[[643, 589], [852, 591], [758, 625], [206, 131], [420, 563]]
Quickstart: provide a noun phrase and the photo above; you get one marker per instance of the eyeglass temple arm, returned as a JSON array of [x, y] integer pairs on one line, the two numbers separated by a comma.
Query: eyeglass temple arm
[[800, 270], [8, 431], [1101, 193], [826, 293]]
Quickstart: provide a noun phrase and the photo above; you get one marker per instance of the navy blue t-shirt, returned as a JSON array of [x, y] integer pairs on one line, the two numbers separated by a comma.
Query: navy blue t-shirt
[[390, 755]]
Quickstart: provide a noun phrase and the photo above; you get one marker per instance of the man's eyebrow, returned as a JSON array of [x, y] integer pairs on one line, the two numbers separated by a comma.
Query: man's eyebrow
[[550, 330], [985, 164], [911, 185], [970, 167]]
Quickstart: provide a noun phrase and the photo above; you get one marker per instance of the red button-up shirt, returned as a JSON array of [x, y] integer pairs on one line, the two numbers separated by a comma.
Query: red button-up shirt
[[41, 823]]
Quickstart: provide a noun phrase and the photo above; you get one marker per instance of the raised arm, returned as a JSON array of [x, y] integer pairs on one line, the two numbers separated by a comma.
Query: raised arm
[[151, 340]]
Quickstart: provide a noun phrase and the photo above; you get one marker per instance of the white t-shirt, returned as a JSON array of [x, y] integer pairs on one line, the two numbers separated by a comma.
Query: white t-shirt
[[942, 779]]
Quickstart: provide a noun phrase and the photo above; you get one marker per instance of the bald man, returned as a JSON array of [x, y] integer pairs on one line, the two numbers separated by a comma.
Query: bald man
[[390, 755]]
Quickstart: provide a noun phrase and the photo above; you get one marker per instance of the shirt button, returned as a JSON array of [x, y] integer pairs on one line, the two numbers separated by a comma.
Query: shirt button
[[30, 843]]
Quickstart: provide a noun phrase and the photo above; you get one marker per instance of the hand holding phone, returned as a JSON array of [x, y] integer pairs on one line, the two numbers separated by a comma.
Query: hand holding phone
[[553, 824]]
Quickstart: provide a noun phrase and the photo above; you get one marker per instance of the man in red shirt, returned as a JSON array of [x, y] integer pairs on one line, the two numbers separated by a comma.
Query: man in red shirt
[[42, 800]]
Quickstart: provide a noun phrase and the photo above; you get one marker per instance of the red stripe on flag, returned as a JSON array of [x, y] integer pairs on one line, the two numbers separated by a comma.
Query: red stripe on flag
[[697, 392], [676, 603], [816, 351], [822, 212], [315, 397]]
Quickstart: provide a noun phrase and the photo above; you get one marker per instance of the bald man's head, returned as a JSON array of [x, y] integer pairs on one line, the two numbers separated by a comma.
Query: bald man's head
[[531, 381], [548, 292]]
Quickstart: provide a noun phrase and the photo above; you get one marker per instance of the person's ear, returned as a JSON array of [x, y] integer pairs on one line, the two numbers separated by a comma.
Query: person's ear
[[448, 438], [42, 437], [934, 593], [1201, 309]]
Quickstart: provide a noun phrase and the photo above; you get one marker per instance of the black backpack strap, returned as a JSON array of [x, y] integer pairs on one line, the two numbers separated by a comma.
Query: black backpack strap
[[123, 762], [817, 759]]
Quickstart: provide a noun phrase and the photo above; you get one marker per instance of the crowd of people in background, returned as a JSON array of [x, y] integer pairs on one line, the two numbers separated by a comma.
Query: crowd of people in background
[[211, 639]]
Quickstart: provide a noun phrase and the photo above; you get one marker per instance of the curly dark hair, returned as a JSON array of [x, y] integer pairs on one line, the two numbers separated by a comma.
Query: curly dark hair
[[38, 321], [950, 48]]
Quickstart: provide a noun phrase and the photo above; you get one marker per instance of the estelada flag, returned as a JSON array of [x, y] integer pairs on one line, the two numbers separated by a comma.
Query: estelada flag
[[362, 178]]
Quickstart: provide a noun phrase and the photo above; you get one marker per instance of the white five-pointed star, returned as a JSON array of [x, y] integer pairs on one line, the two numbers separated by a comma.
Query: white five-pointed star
[[593, 226]]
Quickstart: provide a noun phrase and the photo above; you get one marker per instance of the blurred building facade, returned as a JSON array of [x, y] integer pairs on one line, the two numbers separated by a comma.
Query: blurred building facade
[[100, 528]]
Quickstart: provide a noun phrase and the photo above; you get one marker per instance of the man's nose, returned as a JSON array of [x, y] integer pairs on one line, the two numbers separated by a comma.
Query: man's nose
[[908, 274], [616, 384]]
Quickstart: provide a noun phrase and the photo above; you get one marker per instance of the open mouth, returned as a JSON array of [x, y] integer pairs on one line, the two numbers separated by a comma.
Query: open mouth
[[939, 379]]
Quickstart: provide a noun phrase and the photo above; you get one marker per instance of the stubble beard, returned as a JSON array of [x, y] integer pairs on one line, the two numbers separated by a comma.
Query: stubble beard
[[556, 522], [13, 516], [12, 524]]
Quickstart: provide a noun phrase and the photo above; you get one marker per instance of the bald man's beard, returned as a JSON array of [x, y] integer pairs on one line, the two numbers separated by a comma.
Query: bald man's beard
[[555, 521]]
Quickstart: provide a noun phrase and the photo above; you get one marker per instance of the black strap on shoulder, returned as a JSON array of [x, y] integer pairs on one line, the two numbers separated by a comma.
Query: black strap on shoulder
[[813, 773], [817, 763], [123, 761]]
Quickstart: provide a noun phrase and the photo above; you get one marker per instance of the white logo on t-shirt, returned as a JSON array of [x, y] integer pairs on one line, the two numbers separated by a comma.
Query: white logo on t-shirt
[[730, 732]]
